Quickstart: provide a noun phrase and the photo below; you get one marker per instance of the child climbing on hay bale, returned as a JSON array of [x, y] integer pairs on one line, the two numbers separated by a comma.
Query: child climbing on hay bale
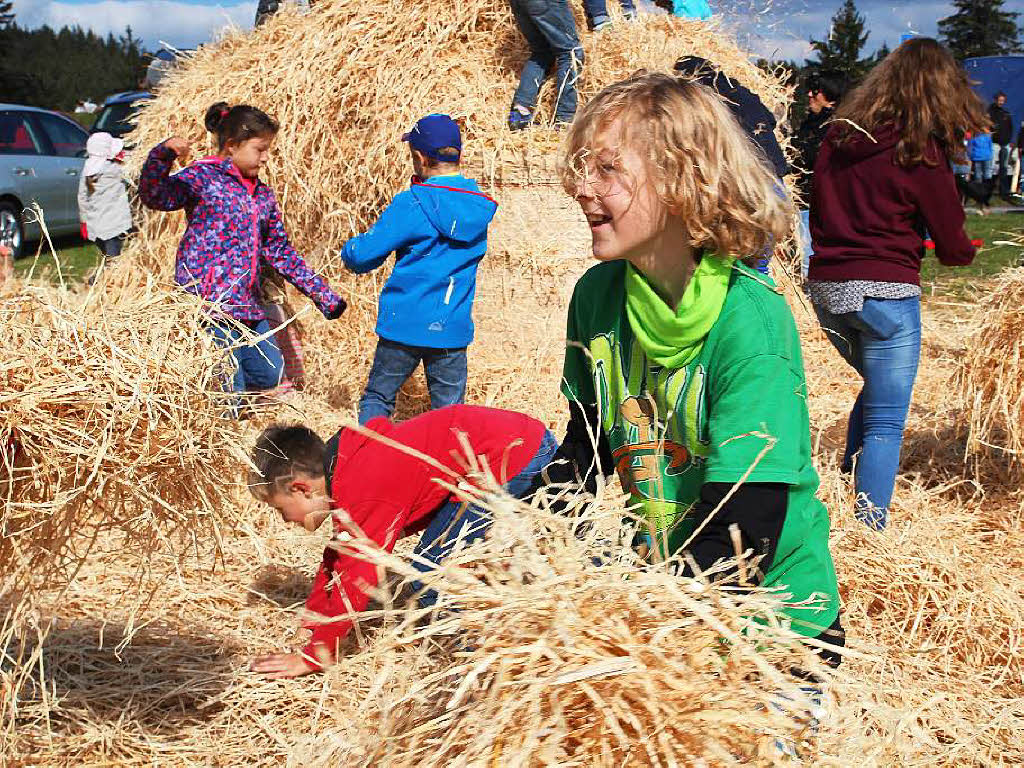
[[683, 371], [438, 231], [234, 229], [385, 482]]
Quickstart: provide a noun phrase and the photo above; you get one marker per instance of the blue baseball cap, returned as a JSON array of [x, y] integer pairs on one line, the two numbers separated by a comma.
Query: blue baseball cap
[[435, 132]]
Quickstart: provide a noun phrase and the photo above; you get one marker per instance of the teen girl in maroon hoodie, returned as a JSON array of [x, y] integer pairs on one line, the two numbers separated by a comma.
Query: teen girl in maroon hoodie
[[883, 180]]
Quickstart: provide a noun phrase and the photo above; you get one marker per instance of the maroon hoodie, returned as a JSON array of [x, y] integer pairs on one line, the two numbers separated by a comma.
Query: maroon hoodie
[[869, 215]]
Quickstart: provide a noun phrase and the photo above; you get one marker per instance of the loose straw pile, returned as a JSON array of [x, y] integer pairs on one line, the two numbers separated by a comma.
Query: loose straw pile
[[109, 423], [552, 645], [990, 378]]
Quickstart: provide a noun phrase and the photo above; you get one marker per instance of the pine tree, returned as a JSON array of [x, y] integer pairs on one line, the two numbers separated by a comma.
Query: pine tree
[[882, 52], [6, 14], [840, 52], [980, 28]]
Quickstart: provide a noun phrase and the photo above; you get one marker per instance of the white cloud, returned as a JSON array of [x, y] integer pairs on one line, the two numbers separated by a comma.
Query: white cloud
[[183, 25]]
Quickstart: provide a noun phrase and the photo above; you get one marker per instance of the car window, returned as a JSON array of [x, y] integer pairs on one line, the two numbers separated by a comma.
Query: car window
[[18, 136], [114, 119], [67, 138]]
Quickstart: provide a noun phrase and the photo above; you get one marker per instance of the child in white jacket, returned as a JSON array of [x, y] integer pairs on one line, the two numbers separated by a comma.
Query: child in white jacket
[[102, 197]]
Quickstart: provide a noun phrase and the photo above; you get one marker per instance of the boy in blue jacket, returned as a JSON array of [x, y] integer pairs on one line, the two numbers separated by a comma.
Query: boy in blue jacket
[[438, 231]]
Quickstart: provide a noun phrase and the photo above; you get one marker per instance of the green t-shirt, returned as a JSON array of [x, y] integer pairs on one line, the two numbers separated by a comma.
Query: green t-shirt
[[672, 430]]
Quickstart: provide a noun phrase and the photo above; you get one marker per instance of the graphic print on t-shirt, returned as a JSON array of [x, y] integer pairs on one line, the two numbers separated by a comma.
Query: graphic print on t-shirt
[[655, 420]]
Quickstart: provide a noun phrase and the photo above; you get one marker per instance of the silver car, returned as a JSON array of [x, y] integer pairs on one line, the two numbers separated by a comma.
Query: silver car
[[41, 158]]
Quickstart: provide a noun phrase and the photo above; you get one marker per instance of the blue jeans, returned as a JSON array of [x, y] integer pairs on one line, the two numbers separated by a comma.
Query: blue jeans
[[258, 366], [393, 364], [883, 343], [981, 170], [455, 520], [597, 10], [550, 31], [806, 251]]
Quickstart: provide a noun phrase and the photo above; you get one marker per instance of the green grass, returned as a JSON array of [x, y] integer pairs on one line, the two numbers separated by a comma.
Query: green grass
[[77, 258], [991, 259]]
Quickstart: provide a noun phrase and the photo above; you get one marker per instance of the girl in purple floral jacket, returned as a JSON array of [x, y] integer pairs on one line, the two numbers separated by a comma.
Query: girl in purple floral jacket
[[234, 228]]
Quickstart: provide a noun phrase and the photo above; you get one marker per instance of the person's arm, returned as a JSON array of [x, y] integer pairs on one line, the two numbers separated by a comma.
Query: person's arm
[[159, 190], [339, 591], [939, 202], [582, 457], [364, 253], [289, 264], [758, 510]]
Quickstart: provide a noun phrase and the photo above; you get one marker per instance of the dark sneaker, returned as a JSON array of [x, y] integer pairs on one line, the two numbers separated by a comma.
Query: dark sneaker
[[517, 121]]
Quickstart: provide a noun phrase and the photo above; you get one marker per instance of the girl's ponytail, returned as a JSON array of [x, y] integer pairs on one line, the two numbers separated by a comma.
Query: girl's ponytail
[[215, 116], [237, 124]]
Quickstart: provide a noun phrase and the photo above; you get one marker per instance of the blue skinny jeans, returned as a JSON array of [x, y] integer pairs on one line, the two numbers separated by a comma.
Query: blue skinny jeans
[[883, 343], [394, 363], [258, 366]]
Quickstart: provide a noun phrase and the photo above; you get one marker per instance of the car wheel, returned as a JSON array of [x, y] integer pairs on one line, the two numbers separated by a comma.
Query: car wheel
[[12, 234]]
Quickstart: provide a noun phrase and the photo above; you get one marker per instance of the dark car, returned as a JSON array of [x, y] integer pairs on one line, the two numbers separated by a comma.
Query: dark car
[[41, 158], [116, 113]]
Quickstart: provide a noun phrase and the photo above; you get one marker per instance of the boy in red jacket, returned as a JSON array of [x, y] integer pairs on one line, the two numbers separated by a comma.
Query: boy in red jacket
[[382, 493]]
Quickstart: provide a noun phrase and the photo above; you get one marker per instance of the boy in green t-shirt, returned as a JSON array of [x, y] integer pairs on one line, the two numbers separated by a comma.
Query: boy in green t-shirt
[[683, 365]]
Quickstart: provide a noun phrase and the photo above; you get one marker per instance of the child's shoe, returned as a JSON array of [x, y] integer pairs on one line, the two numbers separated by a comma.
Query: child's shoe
[[600, 22], [519, 120], [629, 14]]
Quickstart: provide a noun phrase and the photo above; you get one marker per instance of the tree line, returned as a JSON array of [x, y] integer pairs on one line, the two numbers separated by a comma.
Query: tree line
[[55, 69], [976, 28]]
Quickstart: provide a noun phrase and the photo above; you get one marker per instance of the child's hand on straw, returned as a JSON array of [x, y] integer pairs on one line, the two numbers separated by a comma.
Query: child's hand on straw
[[5, 252], [281, 665], [180, 147]]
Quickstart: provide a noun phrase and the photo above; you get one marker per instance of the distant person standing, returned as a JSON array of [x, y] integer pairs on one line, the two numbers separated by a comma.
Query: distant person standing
[[881, 179], [824, 91], [103, 205], [1002, 140], [550, 30]]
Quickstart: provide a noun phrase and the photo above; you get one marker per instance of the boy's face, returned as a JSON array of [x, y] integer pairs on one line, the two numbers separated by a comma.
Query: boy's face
[[619, 199], [301, 497]]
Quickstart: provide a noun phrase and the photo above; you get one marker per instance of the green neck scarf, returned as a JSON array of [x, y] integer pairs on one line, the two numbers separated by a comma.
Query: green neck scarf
[[674, 339]]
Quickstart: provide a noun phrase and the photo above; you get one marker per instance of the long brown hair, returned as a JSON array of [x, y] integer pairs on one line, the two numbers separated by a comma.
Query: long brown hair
[[922, 92]]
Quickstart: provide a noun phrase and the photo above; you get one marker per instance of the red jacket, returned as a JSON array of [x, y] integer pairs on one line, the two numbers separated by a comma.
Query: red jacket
[[868, 215], [387, 493]]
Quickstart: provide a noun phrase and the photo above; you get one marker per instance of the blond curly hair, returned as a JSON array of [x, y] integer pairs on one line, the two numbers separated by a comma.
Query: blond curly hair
[[704, 167]]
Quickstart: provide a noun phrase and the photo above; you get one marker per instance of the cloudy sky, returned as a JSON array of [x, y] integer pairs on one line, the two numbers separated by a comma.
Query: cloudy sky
[[773, 28]]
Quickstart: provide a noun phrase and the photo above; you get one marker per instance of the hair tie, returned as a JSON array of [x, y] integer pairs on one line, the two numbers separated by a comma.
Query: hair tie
[[224, 112]]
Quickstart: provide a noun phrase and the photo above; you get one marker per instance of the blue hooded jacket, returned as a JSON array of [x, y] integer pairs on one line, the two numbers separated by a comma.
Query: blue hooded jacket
[[438, 231], [979, 148]]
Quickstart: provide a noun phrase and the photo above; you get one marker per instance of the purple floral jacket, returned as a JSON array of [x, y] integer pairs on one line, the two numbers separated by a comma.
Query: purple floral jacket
[[230, 233]]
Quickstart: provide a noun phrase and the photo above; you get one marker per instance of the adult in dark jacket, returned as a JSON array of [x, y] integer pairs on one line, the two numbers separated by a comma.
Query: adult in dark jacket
[[1002, 137], [753, 116], [881, 179], [824, 91]]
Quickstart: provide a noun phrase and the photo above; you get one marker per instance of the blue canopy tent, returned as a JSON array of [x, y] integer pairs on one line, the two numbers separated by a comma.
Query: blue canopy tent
[[991, 74]]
